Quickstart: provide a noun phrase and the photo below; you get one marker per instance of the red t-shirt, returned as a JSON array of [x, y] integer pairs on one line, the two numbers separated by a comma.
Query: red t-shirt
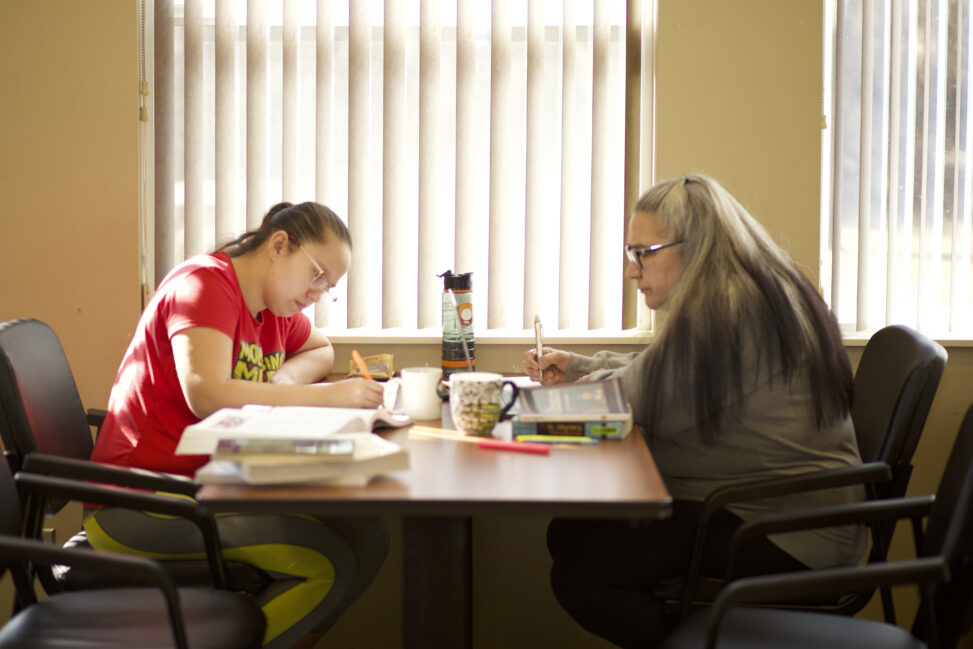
[[147, 411]]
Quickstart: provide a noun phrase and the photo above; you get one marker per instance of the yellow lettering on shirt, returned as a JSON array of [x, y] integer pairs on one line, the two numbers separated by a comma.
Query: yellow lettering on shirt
[[252, 365]]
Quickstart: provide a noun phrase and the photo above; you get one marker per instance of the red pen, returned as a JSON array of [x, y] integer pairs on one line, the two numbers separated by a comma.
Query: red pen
[[523, 447]]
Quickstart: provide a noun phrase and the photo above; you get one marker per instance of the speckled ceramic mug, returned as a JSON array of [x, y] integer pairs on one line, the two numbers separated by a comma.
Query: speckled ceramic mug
[[477, 401]]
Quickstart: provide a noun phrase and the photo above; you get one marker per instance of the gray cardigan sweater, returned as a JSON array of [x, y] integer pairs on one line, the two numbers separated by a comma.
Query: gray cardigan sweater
[[776, 436]]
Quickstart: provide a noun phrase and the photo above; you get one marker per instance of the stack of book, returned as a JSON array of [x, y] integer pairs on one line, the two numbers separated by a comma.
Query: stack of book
[[288, 445], [349, 460], [593, 409]]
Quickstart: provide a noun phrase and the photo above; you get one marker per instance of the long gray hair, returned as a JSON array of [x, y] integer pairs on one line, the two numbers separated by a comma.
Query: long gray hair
[[738, 291]]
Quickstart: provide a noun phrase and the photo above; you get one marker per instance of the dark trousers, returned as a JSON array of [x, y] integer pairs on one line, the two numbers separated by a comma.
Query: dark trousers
[[604, 571]]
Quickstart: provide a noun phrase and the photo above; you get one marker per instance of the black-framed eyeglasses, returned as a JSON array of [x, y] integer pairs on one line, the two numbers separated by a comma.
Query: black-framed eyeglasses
[[635, 255], [320, 281]]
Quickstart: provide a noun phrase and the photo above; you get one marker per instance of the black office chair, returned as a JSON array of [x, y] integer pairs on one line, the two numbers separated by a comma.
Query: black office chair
[[896, 380], [156, 615], [943, 569], [44, 425]]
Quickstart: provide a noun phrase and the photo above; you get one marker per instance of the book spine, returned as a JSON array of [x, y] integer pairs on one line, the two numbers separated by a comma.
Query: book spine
[[597, 429]]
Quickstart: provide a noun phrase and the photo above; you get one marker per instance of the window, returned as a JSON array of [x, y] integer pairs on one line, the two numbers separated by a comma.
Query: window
[[900, 176], [499, 137]]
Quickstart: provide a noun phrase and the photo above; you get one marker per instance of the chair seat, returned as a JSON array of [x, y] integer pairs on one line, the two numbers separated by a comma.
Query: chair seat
[[755, 628], [101, 618], [240, 577]]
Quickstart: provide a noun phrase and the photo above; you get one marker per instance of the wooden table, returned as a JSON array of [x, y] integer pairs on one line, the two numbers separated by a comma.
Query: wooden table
[[449, 481]]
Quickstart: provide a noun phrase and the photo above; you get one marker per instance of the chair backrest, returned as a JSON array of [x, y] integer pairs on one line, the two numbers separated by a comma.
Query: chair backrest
[[949, 533], [40, 408], [896, 380]]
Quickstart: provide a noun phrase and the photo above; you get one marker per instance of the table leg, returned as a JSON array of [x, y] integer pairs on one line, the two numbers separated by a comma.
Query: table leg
[[437, 597]]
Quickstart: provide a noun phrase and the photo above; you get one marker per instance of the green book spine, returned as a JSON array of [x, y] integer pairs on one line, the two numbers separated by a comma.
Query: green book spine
[[598, 429]]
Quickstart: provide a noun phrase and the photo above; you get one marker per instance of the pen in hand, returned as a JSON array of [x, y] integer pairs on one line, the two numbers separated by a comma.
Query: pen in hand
[[539, 342]]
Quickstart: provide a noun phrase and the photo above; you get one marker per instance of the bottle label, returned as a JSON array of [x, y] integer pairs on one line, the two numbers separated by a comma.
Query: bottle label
[[466, 314]]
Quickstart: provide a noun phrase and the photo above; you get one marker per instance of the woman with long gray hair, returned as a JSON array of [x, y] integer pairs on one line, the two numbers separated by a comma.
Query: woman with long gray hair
[[746, 379]]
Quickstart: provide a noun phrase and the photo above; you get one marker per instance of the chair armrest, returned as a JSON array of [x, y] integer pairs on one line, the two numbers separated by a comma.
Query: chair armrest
[[96, 417], [865, 512], [134, 567], [755, 490], [42, 463], [73, 490], [819, 583], [813, 481]]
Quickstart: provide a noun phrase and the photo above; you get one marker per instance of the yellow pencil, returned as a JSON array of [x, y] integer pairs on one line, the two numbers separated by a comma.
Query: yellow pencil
[[355, 356]]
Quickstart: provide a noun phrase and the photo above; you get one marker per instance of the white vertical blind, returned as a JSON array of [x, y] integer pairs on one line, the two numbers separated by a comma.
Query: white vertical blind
[[901, 184], [226, 124], [359, 80], [166, 227], [600, 160], [501, 141], [637, 101], [534, 240], [902, 112], [394, 161], [933, 136], [324, 55], [961, 253], [466, 194], [290, 104], [429, 200], [493, 138], [570, 125], [196, 232], [256, 92]]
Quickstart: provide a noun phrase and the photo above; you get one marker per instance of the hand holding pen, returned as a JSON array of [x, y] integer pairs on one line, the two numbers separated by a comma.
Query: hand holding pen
[[358, 392], [550, 366]]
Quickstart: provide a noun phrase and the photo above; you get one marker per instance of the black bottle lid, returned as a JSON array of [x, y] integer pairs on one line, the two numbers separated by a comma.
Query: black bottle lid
[[457, 281]]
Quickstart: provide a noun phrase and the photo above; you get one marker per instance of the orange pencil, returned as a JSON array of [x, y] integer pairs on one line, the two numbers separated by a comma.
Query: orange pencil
[[355, 356]]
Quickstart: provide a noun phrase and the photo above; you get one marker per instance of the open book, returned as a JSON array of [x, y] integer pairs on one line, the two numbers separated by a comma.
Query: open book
[[290, 461], [291, 422], [595, 409]]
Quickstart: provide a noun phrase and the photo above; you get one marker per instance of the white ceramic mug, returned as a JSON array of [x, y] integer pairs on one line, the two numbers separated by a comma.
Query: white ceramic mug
[[416, 395], [476, 401]]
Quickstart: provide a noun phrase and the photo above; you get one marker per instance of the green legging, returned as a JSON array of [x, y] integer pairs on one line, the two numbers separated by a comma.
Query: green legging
[[319, 566]]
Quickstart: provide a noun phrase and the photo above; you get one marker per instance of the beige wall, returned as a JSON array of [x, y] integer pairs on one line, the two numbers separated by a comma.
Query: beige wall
[[738, 98], [68, 177]]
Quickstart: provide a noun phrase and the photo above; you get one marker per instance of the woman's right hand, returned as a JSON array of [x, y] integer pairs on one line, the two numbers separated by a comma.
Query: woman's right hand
[[354, 393], [553, 363]]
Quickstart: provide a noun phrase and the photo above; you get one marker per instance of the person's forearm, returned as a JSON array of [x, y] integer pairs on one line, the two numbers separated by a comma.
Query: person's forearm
[[236, 393], [305, 367], [604, 360]]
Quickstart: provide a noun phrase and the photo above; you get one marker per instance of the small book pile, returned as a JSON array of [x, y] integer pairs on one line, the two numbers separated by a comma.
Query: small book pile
[[287, 445], [590, 409], [346, 459]]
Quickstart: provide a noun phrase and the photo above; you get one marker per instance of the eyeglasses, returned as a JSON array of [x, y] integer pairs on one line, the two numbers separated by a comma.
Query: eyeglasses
[[320, 281], [635, 255]]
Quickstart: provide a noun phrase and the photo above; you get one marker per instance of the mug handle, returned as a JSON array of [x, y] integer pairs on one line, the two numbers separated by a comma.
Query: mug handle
[[392, 392], [514, 391]]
